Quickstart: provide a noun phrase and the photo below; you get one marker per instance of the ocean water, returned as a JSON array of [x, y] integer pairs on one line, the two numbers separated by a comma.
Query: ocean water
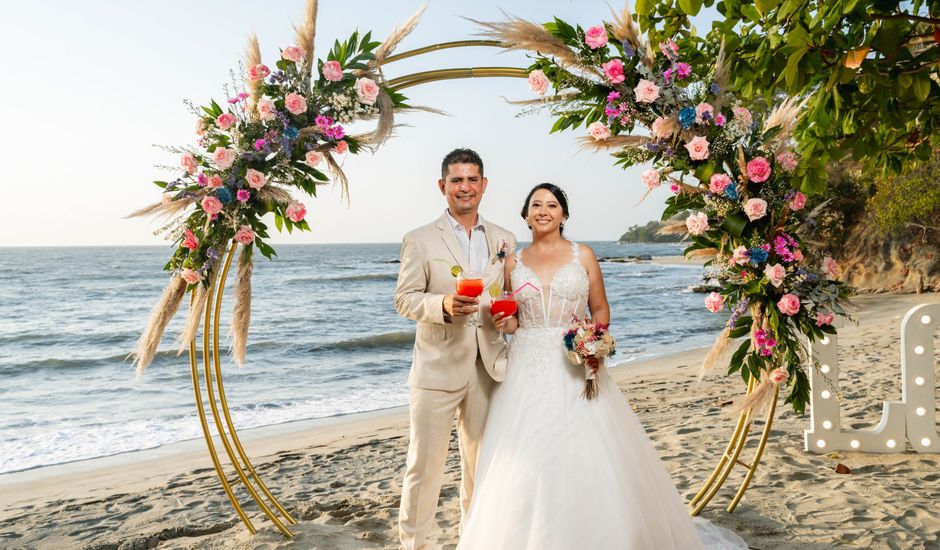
[[325, 340]]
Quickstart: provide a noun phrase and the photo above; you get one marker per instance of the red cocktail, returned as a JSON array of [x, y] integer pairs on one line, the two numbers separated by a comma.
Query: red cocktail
[[470, 287], [506, 307]]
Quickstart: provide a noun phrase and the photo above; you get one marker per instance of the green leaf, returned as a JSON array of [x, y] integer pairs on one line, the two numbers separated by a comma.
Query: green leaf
[[764, 6], [161, 184], [645, 7], [691, 7], [921, 86], [216, 110], [704, 171], [735, 224], [750, 13], [278, 222], [793, 67]]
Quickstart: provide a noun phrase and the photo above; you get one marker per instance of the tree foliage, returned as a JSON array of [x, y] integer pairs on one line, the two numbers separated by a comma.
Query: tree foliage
[[867, 68]]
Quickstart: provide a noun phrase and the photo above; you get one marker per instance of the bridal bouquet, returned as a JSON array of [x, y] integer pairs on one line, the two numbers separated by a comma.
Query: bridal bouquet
[[585, 340]]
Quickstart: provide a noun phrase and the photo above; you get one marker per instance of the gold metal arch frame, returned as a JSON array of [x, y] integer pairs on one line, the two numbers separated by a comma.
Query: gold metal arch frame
[[732, 457], [213, 390]]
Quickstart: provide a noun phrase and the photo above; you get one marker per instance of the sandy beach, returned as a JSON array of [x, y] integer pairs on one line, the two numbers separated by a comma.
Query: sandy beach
[[341, 477]]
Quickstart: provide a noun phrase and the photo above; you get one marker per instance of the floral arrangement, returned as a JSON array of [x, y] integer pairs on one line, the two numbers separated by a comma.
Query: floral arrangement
[[281, 130], [731, 169], [586, 343]]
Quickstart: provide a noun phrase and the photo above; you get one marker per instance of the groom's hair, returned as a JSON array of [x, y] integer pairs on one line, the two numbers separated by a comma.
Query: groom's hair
[[461, 156]]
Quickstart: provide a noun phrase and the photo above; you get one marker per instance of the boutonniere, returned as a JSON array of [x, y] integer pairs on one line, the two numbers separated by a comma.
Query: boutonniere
[[502, 249]]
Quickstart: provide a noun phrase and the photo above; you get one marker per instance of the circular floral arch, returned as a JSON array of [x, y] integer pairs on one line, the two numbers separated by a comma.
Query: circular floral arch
[[732, 168]]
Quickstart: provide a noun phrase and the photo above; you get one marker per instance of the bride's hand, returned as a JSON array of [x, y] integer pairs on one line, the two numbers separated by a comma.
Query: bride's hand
[[505, 324]]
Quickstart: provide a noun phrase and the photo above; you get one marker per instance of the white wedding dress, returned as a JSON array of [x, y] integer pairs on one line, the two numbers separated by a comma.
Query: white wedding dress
[[559, 472]]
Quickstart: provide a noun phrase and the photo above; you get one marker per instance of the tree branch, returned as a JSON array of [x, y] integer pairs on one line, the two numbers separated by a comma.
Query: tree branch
[[907, 16]]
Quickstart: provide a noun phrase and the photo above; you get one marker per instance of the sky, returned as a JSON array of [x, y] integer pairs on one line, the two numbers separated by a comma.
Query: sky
[[89, 87]]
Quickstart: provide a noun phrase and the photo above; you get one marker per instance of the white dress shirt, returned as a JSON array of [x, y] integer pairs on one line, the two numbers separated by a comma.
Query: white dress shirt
[[474, 245]]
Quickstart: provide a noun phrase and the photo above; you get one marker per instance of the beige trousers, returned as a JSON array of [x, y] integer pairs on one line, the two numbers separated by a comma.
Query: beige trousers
[[432, 418]]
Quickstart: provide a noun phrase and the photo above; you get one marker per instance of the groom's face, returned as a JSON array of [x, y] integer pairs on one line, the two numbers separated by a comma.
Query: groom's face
[[463, 187]]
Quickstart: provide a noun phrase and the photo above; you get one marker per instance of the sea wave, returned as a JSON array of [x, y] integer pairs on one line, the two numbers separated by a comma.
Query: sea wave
[[345, 278], [398, 339]]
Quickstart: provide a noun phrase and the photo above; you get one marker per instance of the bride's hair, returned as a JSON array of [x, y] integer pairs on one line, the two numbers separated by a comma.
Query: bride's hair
[[560, 196]]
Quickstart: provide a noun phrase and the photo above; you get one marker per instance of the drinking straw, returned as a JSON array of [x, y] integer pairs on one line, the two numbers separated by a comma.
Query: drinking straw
[[523, 286]]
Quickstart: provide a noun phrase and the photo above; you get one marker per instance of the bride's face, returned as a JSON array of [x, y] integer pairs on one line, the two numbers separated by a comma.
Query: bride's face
[[545, 214]]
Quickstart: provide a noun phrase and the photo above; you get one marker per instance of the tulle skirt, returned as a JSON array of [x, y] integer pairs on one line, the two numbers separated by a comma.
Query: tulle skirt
[[557, 471]]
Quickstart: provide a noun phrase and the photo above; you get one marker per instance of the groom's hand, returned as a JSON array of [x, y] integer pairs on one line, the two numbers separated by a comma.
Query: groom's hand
[[456, 305]]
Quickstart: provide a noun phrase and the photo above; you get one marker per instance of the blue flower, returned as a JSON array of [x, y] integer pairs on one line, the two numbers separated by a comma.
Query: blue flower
[[224, 195], [716, 89], [628, 51], [757, 255], [732, 192], [213, 255], [569, 340], [291, 133], [687, 117]]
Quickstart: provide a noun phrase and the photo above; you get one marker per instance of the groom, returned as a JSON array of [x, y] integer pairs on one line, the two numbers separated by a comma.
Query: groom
[[455, 367]]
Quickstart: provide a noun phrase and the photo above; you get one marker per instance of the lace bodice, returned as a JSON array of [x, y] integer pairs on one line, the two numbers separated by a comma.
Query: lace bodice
[[555, 304]]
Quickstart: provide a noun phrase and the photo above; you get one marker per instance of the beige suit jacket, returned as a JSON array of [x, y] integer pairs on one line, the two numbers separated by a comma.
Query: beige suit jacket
[[445, 351]]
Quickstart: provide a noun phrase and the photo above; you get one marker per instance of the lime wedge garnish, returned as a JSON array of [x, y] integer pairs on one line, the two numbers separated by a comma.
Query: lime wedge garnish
[[494, 290], [455, 271]]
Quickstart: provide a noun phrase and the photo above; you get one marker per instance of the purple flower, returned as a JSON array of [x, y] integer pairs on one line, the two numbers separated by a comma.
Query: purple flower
[[203, 180], [716, 89], [260, 143], [324, 121], [720, 119], [668, 75], [628, 51], [338, 132], [613, 95], [243, 195]]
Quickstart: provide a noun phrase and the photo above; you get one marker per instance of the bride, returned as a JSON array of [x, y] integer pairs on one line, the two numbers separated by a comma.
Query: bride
[[556, 471]]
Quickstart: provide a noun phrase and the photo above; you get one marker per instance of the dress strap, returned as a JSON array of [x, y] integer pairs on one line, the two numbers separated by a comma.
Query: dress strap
[[575, 250]]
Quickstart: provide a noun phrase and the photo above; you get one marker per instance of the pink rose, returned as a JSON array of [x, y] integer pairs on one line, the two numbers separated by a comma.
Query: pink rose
[[224, 158], [758, 169], [787, 161], [296, 211], [702, 109], [613, 70], [775, 274], [245, 235], [188, 162], [663, 127], [341, 147], [598, 131], [313, 159], [596, 37], [823, 319], [190, 276], [797, 202], [538, 82], [714, 302], [200, 126], [698, 148], [739, 256], [718, 183], [646, 91], [366, 90], [830, 268], [293, 53], [651, 179], [755, 209], [267, 110], [211, 205], [779, 375], [789, 304], [256, 180], [697, 223], [797, 255], [332, 71], [225, 121], [215, 181], [295, 103], [743, 115], [189, 240], [258, 72]]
